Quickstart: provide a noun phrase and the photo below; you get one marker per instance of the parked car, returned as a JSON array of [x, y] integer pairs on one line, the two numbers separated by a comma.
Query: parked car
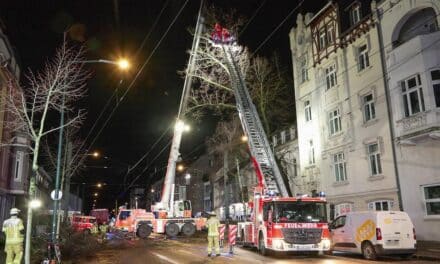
[[374, 233], [83, 223]]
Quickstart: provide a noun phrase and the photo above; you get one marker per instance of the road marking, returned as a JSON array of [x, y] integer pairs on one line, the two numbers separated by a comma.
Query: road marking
[[164, 258]]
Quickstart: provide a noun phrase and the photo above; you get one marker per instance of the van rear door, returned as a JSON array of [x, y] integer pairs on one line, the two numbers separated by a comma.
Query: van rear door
[[396, 228]]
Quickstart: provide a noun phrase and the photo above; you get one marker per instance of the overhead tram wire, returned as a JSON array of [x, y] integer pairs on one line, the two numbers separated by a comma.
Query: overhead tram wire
[[252, 17], [276, 29], [134, 80], [120, 82]]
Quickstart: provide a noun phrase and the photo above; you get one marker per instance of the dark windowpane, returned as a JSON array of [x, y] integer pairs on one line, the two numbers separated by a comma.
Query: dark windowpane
[[402, 84], [405, 105], [378, 207], [373, 165], [432, 192], [412, 83], [379, 166], [414, 100], [433, 208], [373, 111], [385, 206], [437, 94], [422, 99], [435, 75]]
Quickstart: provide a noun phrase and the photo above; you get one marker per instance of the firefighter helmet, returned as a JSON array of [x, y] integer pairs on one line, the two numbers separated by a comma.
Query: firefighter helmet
[[14, 211]]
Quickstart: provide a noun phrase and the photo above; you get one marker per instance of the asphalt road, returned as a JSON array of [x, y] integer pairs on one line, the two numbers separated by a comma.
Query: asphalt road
[[193, 251]]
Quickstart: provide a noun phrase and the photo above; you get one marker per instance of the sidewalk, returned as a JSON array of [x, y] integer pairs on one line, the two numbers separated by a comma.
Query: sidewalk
[[428, 250]]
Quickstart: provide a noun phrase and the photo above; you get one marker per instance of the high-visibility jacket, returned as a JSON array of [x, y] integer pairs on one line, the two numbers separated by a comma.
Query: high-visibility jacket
[[12, 227], [94, 229], [103, 228], [213, 223]]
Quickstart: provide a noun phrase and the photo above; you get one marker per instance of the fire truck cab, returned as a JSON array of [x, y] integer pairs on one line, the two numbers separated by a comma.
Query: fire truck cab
[[135, 220], [286, 224]]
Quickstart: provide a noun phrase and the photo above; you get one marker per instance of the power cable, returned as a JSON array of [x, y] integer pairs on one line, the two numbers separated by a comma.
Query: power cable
[[252, 17], [134, 80]]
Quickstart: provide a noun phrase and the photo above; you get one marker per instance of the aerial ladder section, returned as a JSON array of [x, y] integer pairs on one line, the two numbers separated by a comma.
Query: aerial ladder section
[[268, 173]]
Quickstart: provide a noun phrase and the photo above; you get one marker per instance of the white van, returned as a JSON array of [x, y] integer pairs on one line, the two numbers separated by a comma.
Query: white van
[[374, 233]]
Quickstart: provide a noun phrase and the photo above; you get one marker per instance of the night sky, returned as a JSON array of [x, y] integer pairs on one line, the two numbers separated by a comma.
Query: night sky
[[111, 29]]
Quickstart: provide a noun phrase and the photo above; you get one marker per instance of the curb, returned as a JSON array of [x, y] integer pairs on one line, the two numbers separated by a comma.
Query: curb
[[425, 257]]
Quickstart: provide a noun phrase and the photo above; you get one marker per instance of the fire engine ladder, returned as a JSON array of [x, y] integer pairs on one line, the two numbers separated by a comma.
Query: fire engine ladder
[[257, 139]]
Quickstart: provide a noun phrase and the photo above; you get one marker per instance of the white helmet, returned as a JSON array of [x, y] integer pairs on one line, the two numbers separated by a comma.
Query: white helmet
[[14, 211]]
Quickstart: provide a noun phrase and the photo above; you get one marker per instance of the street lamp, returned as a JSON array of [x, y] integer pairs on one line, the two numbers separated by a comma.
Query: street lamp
[[244, 138], [95, 194], [122, 63], [180, 167], [35, 203], [99, 185]]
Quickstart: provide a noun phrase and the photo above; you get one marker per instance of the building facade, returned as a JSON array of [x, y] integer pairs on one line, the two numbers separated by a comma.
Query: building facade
[[344, 136], [14, 166], [411, 50]]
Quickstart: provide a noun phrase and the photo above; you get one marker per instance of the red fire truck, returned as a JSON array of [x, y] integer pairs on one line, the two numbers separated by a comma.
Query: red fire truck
[[278, 221]]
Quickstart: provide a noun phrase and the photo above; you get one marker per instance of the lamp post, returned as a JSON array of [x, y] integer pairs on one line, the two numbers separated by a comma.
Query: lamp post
[[123, 65]]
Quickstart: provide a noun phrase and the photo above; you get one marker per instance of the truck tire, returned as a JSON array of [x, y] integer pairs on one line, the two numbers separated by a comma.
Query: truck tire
[[143, 231], [368, 251], [261, 247], [188, 229], [172, 230]]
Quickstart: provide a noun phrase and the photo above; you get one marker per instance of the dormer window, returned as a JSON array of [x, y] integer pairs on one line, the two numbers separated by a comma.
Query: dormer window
[[355, 14]]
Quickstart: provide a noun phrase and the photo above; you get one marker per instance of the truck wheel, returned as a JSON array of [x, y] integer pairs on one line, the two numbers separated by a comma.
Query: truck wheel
[[368, 251], [172, 229], [188, 229], [143, 231], [261, 247]]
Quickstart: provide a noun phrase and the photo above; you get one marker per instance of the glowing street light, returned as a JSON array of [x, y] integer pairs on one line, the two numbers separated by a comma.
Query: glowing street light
[[35, 203], [123, 64], [180, 167], [152, 190], [99, 185], [187, 176], [244, 138], [95, 194]]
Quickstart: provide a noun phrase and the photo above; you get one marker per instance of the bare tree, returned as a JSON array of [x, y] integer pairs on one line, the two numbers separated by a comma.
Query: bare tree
[[54, 89], [271, 92]]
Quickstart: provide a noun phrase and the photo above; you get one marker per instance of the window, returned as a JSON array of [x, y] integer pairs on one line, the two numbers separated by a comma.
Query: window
[[18, 170], [355, 14], [435, 77], [339, 222], [283, 137], [330, 76], [339, 167], [274, 140], [182, 192], [311, 153], [382, 205], [322, 39], [304, 73], [413, 101], [334, 122], [330, 35], [343, 208], [308, 110], [374, 157], [431, 195], [368, 106], [363, 60]]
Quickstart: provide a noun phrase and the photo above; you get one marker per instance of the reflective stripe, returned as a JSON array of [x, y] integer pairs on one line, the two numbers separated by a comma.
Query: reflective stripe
[[12, 228]]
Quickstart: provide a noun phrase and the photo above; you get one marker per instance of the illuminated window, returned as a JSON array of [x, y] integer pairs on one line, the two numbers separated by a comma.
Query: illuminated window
[[431, 198], [335, 122], [355, 14], [381, 205], [330, 76], [308, 110], [339, 167], [413, 101], [363, 59], [368, 106], [311, 153], [374, 157], [435, 77]]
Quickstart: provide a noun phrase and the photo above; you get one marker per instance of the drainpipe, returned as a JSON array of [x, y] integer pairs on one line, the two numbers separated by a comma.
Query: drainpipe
[[389, 110]]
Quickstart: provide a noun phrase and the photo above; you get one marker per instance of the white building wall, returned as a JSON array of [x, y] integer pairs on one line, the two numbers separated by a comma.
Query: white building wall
[[360, 188], [417, 136]]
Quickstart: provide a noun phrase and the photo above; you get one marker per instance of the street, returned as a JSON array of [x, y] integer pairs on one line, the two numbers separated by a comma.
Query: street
[[183, 250]]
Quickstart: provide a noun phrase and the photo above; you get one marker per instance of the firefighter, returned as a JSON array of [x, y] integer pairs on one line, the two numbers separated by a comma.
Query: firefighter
[[103, 229], [213, 236], [94, 229], [14, 230]]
